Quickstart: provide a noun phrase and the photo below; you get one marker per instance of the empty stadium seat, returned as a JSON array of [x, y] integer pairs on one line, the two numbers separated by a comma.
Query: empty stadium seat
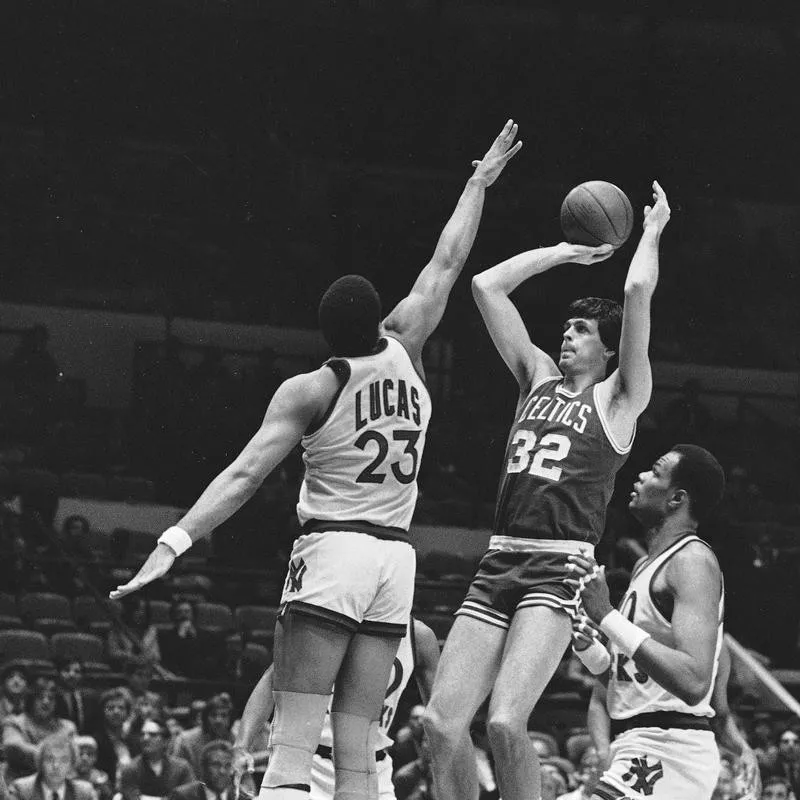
[[160, 612], [9, 614], [214, 617], [47, 612], [256, 618], [86, 647], [30, 647], [88, 612]]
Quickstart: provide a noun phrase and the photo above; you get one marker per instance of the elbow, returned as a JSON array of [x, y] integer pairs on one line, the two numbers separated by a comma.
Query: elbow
[[640, 288], [480, 285], [695, 691]]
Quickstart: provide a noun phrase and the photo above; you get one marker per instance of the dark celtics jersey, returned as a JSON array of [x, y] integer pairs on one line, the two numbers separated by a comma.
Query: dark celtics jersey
[[559, 468]]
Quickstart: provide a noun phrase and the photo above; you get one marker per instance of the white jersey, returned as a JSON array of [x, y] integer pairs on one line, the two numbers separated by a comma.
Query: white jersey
[[631, 691], [362, 460], [403, 666]]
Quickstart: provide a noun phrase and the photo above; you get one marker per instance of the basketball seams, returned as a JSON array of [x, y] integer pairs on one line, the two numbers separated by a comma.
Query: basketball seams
[[605, 213], [576, 222]]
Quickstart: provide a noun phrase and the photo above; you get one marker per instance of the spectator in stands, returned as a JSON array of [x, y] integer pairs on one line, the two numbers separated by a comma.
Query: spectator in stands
[[762, 740], [14, 682], [189, 650], [24, 733], [51, 780], [414, 780], [84, 566], [73, 701], [153, 772], [407, 745], [787, 761], [136, 638], [216, 775], [587, 775], [776, 788], [554, 781], [149, 705], [85, 760], [19, 571], [724, 790], [216, 724], [114, 749], [138, 677]]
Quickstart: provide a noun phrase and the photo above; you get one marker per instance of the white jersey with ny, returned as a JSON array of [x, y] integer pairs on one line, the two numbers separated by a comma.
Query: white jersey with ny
[[362, 459], [630, 690], [403, 666]]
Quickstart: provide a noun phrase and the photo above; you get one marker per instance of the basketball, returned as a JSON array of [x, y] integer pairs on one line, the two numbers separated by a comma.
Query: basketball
[[595, 213]]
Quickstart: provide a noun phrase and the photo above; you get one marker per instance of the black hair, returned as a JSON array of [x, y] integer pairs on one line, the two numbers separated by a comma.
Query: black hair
[[214, 746], [42, 685], [215, 703], [701, 475], [350, 316], [608, 314]]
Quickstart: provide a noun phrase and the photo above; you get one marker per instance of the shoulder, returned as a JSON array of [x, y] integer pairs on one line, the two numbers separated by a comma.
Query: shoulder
[[308, 388], [187, 789], [24, 785], [181, 764], [694, 566], [83, 789]]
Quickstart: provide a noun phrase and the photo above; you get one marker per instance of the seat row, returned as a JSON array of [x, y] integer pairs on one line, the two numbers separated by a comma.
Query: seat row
[[133, 489]]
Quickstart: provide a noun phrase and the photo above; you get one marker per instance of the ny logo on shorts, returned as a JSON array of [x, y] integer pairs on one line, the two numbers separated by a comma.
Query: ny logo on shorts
[[643, 776], [294, 580]]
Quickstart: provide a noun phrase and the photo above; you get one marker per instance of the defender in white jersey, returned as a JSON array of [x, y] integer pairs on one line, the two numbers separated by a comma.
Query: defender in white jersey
[[363, 417], [418, 654], [653, 715]]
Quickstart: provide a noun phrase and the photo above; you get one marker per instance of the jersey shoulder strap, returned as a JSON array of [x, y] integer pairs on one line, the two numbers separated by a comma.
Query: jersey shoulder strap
[[341, 369]]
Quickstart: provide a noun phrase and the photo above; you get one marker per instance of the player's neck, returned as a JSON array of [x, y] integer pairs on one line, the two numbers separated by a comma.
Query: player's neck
[[577, 382], [666, 533]]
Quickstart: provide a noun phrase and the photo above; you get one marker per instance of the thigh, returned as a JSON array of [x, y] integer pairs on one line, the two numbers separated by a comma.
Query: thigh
[[534, 647], [308, 653], [364, 675], [390, 608], [467, 669]]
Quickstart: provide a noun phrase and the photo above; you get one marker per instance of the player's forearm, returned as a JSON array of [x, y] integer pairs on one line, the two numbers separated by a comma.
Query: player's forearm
[[598, 721], [458, 235], [643, 272], [507, 275], [257, 711], [677, 672], [729, 737]]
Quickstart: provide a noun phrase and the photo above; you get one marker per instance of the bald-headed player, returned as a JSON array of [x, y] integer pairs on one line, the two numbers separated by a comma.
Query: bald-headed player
[[572, 431], [362, 419]]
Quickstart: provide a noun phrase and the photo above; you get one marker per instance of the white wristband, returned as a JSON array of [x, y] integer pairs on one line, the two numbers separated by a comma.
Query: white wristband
[[595, 658], [625, 635], [176, 539]]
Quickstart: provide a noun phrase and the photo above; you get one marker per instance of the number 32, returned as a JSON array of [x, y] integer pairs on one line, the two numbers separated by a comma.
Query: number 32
[[553, 447]]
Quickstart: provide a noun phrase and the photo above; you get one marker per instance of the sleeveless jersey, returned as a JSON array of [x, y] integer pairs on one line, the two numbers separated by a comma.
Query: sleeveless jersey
[[361, 462], [631, 691], [560, 463], [403, 666]]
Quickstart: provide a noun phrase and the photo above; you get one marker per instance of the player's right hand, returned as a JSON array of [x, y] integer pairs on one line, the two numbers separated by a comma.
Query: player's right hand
[[157, 565], [583, 254], [488, 169], [656, 216]]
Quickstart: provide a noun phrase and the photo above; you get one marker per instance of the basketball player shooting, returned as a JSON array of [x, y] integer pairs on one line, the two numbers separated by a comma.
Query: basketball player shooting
[[362, 419], [572, 431]]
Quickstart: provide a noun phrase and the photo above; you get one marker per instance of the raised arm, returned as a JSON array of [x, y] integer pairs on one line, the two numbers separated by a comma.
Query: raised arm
[[415, 318], [632, 382], [694, 581], [426, 659], [491, 290], [297, 403]]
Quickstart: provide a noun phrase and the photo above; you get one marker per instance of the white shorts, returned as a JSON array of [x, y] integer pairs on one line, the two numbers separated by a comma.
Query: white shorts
[[661, 764], [353, 580], [323, 779]]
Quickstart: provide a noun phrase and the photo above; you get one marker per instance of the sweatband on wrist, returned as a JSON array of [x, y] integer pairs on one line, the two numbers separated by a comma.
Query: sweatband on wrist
[[176, 539], [623, 633], [595, 658]]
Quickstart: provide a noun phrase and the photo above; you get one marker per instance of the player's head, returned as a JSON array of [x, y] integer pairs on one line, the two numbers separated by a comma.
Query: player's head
[[591, 334], [686, 480], [350, 316]]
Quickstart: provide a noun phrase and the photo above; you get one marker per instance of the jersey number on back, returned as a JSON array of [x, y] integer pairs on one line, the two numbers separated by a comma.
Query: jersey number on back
[[553, 447], [370, 473]]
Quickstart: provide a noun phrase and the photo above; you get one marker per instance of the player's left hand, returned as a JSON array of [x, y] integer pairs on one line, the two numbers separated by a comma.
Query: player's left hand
[[747, 775], [656, 216], [584, 633], [590, 580], [503, 149], [243, 767], [157, 565]]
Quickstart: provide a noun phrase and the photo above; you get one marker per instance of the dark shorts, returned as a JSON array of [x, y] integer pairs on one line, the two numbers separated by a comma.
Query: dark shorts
[[517, 573]]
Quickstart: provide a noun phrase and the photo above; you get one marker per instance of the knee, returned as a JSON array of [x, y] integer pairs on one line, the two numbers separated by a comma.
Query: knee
[[442, 732], [505, 733]]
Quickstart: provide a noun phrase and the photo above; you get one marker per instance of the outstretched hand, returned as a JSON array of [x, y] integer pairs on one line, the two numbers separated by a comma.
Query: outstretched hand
[[656, 216], [503, 149], [157, 565], [583, 254]]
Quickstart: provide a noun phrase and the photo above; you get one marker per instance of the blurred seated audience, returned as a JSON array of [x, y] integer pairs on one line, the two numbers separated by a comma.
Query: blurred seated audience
[[216, 775], [85, 767], [763, 740], [786, 763], [217, 719], [114, 748], [587, 774], [52, 779], [407, 745], [136, 637], [149, 705], [73, 700], [14, 682], [24, 733], [71, 542], [153, 773], [776, 788], [414, 780], [189, 650], [554, 781]]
